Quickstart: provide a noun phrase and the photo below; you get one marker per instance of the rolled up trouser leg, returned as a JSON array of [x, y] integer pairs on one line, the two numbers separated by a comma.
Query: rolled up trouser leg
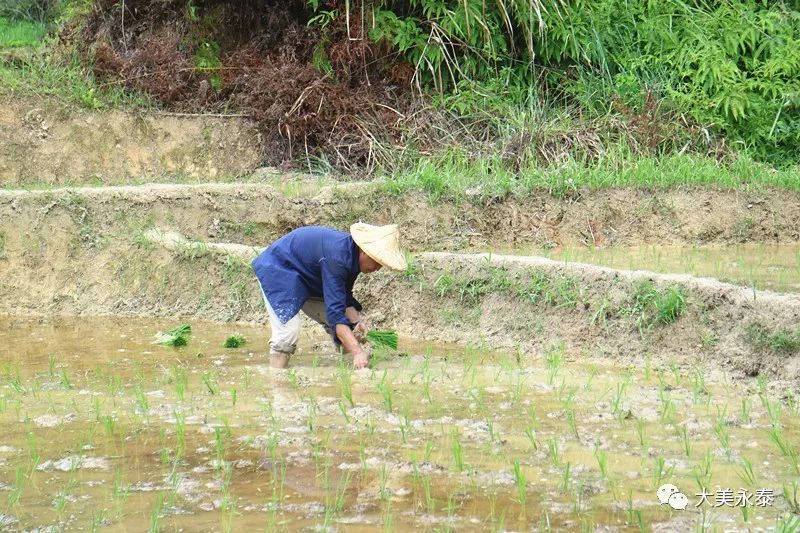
[[283, 342]]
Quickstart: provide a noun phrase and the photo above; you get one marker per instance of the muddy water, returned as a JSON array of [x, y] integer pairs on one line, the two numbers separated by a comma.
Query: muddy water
[[774, 267], [101, 428]]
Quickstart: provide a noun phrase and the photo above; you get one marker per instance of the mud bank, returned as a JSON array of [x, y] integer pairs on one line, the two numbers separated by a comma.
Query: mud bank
[[92, 251], [43, 143], [257, 213]]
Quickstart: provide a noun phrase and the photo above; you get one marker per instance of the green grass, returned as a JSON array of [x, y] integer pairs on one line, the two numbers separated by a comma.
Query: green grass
[[455, 175], [21, 34], [66, 81], [782, 341]]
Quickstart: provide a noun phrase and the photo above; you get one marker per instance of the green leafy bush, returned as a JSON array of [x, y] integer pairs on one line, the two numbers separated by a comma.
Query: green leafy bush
[[733, 66]]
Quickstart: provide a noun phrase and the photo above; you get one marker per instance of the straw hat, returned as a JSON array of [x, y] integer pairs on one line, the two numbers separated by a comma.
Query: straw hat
[[381, 243]]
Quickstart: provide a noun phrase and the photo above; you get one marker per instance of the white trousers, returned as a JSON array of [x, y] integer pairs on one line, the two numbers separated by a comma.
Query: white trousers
[[284, 336]]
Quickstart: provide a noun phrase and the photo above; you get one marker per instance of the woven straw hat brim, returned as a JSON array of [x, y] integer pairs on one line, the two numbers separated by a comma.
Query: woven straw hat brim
[[381, 243]]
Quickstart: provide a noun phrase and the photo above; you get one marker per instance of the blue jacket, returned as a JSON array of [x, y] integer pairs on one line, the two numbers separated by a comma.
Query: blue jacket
[[310, 261]]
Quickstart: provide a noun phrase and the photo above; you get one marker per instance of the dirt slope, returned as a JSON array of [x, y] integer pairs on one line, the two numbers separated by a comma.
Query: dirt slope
[[43, 143]]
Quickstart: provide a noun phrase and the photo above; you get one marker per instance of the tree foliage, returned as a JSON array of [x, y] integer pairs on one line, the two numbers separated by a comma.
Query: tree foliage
[[733, 65]]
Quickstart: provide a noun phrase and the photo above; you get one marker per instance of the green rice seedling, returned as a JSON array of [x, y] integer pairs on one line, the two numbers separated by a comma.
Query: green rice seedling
[[640, 432], [723, 435], [554, 359], [531, 434], [661, 472], [178, 336], [786, 449], [573, 426], [383, 478], [430, 502], [552, 449], [97, 407], [522, 486], [516, 394], [164, 453], [209, 380], [385, 390], [745, 514], [544, 522], [386, 337], [15, 382], [343, 410], [699, 389], [311, 410], [618, 398], [51, 364], [457, 450], [119, 492], [233, 397], [142, 405], [629, 510], [744, 413], [219, 447], [109, 424], [788, 524], [452, 507], [791, 495], [234, 341], [746, 473], [676, 372], [99, 519], [291, 376], [227, 503], [155, 514], [19, 485], [345, 380], [180, 434], [592, 374], [602, 463], [685, 441], [668, 409], [65, 382], [247, 378], [566, 477], [702, 470], [388, 518], [640, 521], [774, 412], [336, 506]]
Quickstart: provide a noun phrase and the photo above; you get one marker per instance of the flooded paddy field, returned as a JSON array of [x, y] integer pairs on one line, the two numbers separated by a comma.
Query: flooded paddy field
[[763, 266], [101, 428]]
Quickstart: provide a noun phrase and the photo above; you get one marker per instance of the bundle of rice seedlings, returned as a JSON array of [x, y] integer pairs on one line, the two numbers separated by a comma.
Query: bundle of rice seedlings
[[234, 341], [175, 337], [383, 337]]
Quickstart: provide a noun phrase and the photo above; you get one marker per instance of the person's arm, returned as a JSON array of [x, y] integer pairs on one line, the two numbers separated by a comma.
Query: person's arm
[[334, 292]]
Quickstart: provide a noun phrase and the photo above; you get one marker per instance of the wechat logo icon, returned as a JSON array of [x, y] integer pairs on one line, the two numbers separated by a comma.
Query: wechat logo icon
[[669, 494]]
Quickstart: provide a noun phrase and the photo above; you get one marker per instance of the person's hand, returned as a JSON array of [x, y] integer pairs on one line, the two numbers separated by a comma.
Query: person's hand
[[360, 359], [360, 331]]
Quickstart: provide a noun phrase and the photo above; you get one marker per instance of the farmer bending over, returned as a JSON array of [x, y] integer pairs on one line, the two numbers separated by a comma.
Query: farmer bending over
[[313, 269]]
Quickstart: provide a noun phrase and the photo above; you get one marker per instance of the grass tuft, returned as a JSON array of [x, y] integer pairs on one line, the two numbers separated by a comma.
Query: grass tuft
[[781, 341]]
